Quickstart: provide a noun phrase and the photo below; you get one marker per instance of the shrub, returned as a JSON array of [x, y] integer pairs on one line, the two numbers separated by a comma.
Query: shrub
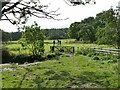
[[96, 58], [78, 52], [65, 55], [105, 58], [113, 61], [7, 56], [5, 52], [86, 51], [57, 53], [51, 55], [90, 55], [22, 58], [19, 59]]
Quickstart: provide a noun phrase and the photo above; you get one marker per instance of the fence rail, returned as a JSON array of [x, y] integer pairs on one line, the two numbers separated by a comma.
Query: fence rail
[[72, 49], [67, 49], [106, 50]]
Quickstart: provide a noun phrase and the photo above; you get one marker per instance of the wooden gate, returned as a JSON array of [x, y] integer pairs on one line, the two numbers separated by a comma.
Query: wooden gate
[[66, 49]]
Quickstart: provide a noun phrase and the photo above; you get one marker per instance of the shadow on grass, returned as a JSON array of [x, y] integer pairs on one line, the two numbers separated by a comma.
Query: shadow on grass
[[89, 79], [38, 81], [19, 86], [24, 76], [63, 75], [54, 80]]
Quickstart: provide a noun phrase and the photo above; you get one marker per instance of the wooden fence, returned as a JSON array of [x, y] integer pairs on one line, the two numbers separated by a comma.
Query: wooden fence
[[106, 50], [67, 49], [72, 49]]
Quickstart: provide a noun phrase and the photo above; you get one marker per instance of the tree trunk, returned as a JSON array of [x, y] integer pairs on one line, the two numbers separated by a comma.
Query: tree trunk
[[0, 10]]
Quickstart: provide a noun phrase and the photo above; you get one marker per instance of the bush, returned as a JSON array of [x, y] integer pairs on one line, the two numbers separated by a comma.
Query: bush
[[65, 55], [19, 59], [7, 56], [86, 51], [105, 58], [96, 58], [113, 61], [22, 58], [51, 55], [78, 52], [90, 55]]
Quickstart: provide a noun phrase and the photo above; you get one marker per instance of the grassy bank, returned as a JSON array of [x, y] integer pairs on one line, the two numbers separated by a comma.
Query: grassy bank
[[67, 72]]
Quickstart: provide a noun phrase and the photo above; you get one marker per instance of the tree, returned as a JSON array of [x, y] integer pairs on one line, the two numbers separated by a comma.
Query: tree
[[22, 10], [84, 30], [79, 2], [108, 34], [87, 30], [56, 33], [33, 37], [73, 30], [5, 36], [103, 29], [16, 36]]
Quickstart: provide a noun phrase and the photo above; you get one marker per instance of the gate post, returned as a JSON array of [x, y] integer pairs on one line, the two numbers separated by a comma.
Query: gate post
[[73, 50], [52, 48]]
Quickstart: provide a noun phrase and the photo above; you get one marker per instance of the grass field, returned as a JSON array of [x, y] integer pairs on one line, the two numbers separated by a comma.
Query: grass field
[[77, 71], [15, 47], [65, 72]]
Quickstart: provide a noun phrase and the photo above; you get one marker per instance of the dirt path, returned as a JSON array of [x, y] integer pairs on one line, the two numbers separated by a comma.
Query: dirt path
[[28, 64]]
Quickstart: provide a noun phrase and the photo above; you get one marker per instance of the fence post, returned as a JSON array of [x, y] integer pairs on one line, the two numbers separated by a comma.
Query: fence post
[[73, 50]]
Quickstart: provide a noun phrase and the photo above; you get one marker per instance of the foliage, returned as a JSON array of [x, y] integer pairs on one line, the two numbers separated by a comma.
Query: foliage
[[90, 52], [16, 36], [55, 33], [107, 34], [23, 58], [85, 51], [96, 58], [83, 30], [34, 36], [103, 29], [7, 56], [51, 56], [5, 36], [73, 29], [87, 30]]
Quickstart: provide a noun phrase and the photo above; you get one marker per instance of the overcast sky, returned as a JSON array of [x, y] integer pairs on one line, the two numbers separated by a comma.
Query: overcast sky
[[74, 13]]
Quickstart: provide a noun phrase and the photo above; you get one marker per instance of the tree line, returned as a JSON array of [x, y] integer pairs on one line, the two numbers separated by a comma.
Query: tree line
[[54, 33], [10, 36], [102, 29]]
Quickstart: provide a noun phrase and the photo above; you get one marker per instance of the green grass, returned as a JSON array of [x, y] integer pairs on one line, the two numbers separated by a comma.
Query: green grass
[[15, 47], [63, 73]]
